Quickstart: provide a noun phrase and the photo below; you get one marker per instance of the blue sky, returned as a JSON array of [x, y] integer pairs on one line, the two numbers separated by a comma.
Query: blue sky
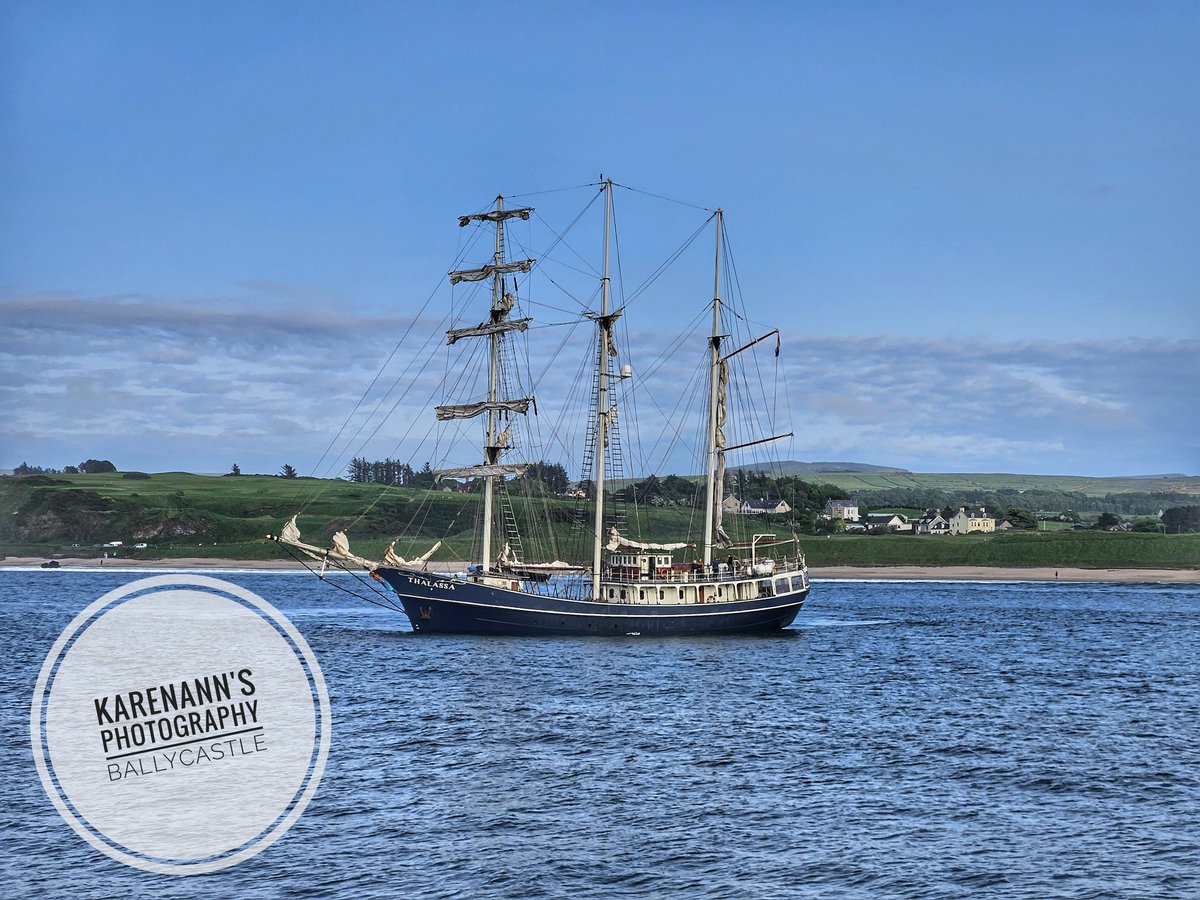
[[976, 224]]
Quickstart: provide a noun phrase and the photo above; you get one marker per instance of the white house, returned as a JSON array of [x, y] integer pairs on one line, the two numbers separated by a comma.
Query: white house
[[846, 510], [894, 521], [764, 507], [933, 522]]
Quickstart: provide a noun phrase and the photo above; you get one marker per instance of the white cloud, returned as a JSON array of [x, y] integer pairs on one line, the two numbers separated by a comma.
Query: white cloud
[[1094, 407], [171, 385]]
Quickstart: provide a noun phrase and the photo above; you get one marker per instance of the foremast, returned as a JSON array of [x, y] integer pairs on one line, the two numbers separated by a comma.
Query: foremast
[[491, 452], [495, 329]]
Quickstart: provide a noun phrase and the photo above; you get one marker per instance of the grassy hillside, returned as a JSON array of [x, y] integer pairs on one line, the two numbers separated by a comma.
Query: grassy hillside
[[955, 482], [177, 514], [1083, 549], [174, 512]]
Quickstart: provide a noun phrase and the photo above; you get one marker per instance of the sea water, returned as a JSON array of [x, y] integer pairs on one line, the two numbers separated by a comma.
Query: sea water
[[910, 739]]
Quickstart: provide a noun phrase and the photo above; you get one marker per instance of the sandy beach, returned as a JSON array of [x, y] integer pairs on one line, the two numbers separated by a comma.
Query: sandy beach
[[988, 573], [879, 573]]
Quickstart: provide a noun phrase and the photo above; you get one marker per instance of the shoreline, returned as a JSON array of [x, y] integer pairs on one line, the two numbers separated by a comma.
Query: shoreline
[[816, 573]]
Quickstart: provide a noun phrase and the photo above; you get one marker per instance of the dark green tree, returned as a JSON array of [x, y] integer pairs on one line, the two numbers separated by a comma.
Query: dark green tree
[[424, 478], [96, 466], [1179, 519], [1020, 517]]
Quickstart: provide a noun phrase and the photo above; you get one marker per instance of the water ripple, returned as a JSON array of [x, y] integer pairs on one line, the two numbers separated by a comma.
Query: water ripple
[[922, 740]]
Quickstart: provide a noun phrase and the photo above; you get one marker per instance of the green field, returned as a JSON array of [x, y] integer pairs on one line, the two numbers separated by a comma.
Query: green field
[[957, 482], [181, 515], [176, 513], [1082, 549]]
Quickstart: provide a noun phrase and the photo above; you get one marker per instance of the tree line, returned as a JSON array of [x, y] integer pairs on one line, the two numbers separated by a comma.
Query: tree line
[[1035, 499], [87, 467], [541, 476]]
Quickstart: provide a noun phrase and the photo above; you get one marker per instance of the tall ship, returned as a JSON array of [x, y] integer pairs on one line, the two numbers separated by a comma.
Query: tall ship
[[619, 576]]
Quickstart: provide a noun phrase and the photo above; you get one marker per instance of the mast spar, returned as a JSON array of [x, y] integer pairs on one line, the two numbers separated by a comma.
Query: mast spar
[[714, 403], [491, 453], [497, 326], [604, 321]]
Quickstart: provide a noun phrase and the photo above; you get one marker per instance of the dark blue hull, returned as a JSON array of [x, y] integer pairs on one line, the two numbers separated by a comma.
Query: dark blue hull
[[438, 604]]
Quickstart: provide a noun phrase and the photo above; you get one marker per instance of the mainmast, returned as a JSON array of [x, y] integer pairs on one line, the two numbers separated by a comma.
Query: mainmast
[[604, 342], [714, 411]]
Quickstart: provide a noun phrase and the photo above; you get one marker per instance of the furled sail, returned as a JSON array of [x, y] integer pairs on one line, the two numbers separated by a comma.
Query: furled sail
[[558, 567], [617, 541], [470, 410], [722, 384], [482, 471], [508, 560], [484, 329], [520, 265], [337, 553], [606, 324], [496, 215], [390, 558]]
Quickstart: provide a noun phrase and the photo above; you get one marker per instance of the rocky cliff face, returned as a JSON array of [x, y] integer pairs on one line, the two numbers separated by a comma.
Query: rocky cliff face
[[34, 511]]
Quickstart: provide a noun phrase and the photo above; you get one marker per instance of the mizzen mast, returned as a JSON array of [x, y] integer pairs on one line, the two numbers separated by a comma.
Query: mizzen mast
[[716, 411]]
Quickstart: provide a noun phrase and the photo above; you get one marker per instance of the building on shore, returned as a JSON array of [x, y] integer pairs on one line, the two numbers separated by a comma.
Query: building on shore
[[968, 520], [932, 522], [764, 507], [845, 510], [893, 521]]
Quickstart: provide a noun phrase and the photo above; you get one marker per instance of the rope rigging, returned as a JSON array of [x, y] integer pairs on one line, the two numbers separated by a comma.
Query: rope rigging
[[675, 402]]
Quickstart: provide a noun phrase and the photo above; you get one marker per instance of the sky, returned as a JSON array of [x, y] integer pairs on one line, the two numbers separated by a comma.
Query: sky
[[977, 225]]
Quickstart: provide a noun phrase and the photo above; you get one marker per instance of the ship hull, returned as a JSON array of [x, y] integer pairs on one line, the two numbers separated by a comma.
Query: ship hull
[[438, 604]]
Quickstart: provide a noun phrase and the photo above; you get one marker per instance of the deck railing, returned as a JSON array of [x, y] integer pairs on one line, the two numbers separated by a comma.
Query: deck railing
[[742, 571]]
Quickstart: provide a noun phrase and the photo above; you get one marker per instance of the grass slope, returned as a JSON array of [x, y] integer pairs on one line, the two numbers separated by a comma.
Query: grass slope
[[964, 481], [1082, 549]]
